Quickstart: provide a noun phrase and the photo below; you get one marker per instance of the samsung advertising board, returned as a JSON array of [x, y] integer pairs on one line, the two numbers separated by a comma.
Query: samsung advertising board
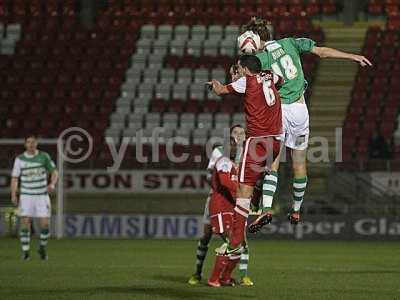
[[190, 227], [133, 226], [141, 226]]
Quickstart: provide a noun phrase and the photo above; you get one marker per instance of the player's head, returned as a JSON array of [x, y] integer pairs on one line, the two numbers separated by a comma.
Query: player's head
[[238, 133], [249, 64], [262, 27], [31, 143]]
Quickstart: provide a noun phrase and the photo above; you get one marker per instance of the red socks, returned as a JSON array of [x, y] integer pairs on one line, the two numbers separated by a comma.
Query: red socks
[[220, 263], [226, 276]]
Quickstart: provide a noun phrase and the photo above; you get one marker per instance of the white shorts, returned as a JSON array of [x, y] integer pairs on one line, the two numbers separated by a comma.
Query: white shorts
[[34, 206], [296, 125], [206, 215]]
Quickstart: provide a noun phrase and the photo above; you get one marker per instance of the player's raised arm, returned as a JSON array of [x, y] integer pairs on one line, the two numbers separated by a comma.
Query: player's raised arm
[[308, 45], [326, 52], [238, 86], [218, 87]]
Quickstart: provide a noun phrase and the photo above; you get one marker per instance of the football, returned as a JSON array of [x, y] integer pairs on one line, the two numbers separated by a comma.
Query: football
[[249, 42]]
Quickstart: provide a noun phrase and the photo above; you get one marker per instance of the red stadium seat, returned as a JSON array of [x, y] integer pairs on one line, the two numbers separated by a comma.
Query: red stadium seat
[[175, 106], [73, 70], [210, 106], [192, 106], [158, 105]]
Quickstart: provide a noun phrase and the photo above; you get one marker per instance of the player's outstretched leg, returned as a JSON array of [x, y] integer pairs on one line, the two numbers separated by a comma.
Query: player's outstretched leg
[[25, 238], [201, 253], [299, 184], [299, 188], [44, 237], [269, 188]]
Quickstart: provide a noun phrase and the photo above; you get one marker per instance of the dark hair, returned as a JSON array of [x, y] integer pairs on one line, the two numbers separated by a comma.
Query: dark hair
[[250, 62], [34, 136], [235, 126], [260, 26]]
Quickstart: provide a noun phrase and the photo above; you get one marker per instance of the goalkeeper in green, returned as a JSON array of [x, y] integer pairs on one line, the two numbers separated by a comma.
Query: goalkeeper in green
[[283, 58], [31, 170]]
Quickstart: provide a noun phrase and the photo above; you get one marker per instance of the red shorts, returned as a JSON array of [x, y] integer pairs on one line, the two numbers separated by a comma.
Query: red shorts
[[221, 213], [222, 222], [259, 153]]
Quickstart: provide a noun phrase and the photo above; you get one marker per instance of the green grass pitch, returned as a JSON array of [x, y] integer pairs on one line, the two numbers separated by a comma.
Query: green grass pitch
[[142, 269]]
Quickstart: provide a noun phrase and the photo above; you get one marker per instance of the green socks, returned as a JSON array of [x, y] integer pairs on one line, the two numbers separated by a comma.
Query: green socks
[[299, 188], [25, 238], [269, 188], [44, 236], [244, 262]]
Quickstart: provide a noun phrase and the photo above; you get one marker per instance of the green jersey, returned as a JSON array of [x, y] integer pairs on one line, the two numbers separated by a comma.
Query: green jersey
[[33, 170], [283, 58]]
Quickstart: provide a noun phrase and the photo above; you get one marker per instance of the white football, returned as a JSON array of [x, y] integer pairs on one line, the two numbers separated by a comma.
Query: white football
[[249, 42]]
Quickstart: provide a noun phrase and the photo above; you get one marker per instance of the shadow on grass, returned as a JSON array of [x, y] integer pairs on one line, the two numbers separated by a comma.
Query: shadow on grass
[[184, 292], [172, 278], [234, 293], [111, 292]]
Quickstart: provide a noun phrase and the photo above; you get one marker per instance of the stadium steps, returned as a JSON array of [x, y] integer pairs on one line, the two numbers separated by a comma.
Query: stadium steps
[[331, 96]]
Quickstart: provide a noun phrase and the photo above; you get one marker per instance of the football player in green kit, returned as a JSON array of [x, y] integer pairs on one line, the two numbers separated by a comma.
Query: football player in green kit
[[283, 58]]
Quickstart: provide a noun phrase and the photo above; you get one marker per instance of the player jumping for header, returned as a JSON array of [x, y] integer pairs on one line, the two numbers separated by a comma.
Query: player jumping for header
[[263, 113], [283, 58]]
